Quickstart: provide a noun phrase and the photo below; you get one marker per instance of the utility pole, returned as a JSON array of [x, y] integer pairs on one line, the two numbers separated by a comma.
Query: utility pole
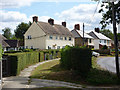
[[115, 40], [83, 34]]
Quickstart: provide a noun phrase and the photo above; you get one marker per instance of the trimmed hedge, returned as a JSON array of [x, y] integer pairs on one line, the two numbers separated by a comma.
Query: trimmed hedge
[[103, 51], [78, 59], [19, 61]]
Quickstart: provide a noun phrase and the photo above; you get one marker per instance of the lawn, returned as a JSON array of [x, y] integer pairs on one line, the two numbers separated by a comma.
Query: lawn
[[53, 71]]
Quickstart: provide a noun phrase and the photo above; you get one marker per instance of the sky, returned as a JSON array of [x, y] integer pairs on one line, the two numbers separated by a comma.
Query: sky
[[73, 12]]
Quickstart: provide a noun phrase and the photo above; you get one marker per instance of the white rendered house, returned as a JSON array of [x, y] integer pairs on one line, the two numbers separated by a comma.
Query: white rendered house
[[43, 35]]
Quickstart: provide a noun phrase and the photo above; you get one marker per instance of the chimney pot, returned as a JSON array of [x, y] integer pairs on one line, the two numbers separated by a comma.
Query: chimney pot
[[35, 19], [97, 30], [64, 24], [51, 21], [77, 26]]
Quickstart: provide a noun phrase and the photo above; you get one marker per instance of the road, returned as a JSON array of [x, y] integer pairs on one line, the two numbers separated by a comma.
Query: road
[[108, 63]]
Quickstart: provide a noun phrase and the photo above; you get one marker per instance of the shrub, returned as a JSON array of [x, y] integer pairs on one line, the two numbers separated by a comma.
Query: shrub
[[78, 59]]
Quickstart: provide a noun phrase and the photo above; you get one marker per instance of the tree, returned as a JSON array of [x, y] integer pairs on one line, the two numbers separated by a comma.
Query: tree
[[107, 33], [7, 33], [107, 13], [20, 30], [118, 36]]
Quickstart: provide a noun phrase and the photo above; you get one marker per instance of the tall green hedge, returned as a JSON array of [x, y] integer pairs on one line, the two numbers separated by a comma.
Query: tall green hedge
[[78, 59], [19, 61]]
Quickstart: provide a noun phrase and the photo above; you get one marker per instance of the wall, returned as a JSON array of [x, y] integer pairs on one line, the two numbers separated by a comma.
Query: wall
[[57, 42], [119, 28], [38, 37], [96, 43]]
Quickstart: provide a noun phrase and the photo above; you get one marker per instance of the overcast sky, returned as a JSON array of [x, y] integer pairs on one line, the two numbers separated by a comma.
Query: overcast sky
[[72, 11]]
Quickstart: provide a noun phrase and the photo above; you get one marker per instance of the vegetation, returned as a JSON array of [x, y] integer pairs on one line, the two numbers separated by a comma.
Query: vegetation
[[53, 71], [107, 13], [7, 33]]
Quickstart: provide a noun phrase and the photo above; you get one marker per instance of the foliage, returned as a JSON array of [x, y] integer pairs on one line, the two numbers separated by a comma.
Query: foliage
[[75, 58], [20, 60], [104, 47], [0, 51], [21, 29], [118, 36], [107, 13], [107, 33], [7, 33], [103, 51]]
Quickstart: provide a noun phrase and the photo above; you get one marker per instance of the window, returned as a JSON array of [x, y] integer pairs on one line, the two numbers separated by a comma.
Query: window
[[56, 37], [65, 38], [104, 41], [29, 37], [70, 39], [51, 37], [61, 38], [90, 41], [58, 47], [49, 47], [63, 46], [31, 47], [26, 46], [100, 41], [108, 42]]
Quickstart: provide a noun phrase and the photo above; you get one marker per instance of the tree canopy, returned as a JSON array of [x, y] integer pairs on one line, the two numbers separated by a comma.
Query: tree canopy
[[106, 10], [7, 33], [21, 29]]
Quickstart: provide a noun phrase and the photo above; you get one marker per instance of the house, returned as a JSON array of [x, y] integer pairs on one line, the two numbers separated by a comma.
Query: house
[[43, 35], [119, 28], [99, 39], [8, 45], [79, 39]]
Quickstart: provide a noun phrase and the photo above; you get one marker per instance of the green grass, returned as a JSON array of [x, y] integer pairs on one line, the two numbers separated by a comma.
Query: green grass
[[53, 71]]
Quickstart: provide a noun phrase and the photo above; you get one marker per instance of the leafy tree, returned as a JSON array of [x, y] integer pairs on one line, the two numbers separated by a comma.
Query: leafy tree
[[107, 13], [7, 33], [20, 30], [118, 36], [107, 33]]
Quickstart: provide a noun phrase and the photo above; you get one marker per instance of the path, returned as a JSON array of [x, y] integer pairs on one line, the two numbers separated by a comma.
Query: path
[[23, 80]]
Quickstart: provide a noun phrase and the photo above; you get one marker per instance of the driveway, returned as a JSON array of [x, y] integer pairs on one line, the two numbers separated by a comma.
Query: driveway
[[108, 63]]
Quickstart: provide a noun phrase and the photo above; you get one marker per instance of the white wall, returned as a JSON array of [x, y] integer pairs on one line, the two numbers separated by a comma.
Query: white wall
[[119, 28], [38, 37], [92, 42], [96, 43], [58, 42]]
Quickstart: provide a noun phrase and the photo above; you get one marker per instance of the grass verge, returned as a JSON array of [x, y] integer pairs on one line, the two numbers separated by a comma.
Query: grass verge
[[97, 76]]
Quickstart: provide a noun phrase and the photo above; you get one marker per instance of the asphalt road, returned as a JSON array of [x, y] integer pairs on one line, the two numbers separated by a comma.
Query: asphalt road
[[108, 63]]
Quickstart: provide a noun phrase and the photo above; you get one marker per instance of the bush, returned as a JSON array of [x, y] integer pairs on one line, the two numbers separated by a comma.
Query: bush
[[78, 59], [103, 51]]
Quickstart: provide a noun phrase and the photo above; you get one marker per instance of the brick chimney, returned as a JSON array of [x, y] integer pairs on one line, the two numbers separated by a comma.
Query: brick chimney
[[97, 30], [35, 19], [64, 24], [51, 21], [77, 27]]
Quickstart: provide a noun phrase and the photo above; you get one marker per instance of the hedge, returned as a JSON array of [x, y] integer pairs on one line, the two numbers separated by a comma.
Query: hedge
[[77, 59], [19, 61], [103, 51]]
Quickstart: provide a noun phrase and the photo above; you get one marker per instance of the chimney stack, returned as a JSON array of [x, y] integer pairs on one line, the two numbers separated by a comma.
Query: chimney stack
[[77, 27], [51, 21], [64, 24], [97, 30], [35, 19]]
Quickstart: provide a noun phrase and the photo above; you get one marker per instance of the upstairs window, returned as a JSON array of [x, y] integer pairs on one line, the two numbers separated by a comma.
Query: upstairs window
[[29, 37], [61, 38], [65, 38], [90, 41], [70, 39], [104, 41], [50, 37]]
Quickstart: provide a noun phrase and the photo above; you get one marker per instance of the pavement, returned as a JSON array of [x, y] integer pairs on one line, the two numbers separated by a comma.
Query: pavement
[[108, 63]]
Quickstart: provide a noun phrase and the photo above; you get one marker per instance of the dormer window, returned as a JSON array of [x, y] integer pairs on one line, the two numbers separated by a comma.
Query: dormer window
[[29, 37], [50, 37]]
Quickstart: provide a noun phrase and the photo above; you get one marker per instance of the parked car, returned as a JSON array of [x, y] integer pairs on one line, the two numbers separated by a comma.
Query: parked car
[[95, 54]]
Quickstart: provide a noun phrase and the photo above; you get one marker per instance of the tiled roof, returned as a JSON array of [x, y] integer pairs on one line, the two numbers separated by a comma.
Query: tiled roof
[[12, 43], [54, 29], [79, 33], [4, 44], [101, 36]]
